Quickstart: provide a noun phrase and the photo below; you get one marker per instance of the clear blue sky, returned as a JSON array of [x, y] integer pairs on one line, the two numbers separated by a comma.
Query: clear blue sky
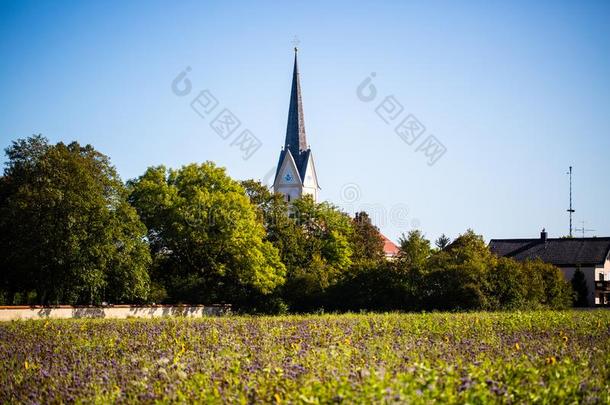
[[515, 91]]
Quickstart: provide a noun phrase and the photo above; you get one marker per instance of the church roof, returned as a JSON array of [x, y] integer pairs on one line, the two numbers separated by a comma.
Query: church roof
[[301, 163], [296, 140], [562, 252]]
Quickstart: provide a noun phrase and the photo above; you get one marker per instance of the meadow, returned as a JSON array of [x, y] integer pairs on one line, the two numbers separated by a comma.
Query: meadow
[[512, 357]]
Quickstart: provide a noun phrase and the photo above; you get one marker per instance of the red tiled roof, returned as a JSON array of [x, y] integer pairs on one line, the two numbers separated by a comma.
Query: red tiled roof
[[389, 247]]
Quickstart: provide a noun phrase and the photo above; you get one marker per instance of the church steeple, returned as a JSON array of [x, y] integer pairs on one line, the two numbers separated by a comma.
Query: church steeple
[[296, 173], [296, 140]]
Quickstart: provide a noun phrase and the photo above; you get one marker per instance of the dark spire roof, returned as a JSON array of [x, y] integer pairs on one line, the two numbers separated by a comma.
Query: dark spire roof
[[296, 141], [295, 131]]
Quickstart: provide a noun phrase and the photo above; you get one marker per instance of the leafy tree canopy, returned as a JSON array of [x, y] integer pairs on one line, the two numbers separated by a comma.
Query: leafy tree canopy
[[68, 234], [207, 241], [366, 241]]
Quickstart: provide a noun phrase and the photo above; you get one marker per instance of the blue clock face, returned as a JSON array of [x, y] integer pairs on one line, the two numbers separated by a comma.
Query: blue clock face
[[288, 177]]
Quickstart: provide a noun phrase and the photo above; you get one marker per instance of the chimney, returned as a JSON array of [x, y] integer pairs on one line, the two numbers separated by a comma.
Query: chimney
[[543, 235]]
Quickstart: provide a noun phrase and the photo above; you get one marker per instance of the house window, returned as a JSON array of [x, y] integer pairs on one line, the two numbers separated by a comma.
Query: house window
[[601, 276], [288, 197]]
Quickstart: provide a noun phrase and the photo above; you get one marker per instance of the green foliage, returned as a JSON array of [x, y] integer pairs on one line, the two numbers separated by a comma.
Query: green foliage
[[464, 275], [67, 232], [324, 247], [367, 287], [508, 286], [457, 275], [71, 232], [316, 243], [442, 242], [366, 241], [207, 241], [557, 293], [414, 251]]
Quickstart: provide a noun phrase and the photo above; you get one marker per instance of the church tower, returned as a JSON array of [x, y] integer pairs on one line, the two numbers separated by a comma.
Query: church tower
[[296, 172]]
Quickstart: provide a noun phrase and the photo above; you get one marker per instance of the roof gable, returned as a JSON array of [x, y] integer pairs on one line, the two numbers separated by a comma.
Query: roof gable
[[389, 247], [310, 176], [565, 252], [287, 163]]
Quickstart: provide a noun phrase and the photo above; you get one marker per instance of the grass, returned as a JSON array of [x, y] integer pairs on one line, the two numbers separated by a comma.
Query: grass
[[532, 357]]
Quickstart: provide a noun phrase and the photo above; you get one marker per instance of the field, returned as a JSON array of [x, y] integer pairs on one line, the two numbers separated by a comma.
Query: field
[[545, 357]]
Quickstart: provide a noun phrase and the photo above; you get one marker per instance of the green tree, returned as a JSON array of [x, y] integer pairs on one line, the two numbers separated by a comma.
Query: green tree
[[411, 269], [324, 251], [414, 251], [315, 243], [535, 294], [442, 242], [556, 292], [579, 286], [458, 275], [376, 287], [207, 241], [367, 243], [368, 283], [507, 285], [282, 230], [283, 233], [67, 231]]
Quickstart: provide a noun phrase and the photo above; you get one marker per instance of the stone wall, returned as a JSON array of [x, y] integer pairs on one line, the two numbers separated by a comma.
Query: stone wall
[[8, 313]]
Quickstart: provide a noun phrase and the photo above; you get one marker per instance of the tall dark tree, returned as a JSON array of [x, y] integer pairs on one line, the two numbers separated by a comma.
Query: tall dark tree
[[367, 243], [579, 286], [371, 282], [442, 242], [68, 234]]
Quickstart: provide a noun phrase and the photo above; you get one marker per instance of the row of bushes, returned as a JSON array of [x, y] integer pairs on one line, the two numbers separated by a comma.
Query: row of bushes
[[72, 232]]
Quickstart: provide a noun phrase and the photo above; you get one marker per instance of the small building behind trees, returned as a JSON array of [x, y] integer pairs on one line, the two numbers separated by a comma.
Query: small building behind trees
[[390, 250], [590, 255]]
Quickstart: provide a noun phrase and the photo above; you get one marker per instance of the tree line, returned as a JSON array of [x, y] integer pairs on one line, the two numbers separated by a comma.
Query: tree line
[[71, 232]]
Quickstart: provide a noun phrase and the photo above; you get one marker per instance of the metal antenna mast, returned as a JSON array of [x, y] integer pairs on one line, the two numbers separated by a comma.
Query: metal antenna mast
[[570, 210]]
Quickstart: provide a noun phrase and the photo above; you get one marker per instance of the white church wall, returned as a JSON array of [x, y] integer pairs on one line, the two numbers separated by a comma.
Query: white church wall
[[311, 191], [310, 179]]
